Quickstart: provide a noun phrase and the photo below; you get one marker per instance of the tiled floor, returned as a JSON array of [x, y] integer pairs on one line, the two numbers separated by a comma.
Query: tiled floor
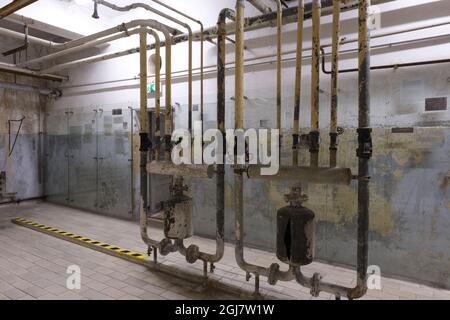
[[33, 265]]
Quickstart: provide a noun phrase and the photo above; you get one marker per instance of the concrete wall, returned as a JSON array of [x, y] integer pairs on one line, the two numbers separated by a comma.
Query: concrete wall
[[24, 176], [410, 212]]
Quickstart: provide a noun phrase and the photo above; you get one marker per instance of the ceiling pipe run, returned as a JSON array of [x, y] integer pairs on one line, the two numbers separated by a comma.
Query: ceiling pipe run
[[348, 40], [14, 6], [260, 5], [28, 88], [10, 68], [202, 38], [170, 18]]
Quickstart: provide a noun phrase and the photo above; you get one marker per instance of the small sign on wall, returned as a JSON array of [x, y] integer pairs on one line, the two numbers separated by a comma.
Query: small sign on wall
[[436, 104]]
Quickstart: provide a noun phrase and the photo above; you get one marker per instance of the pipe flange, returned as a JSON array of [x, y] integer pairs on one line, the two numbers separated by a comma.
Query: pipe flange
[[315, 282], [192, 253], [165, 246], [273, 271], [295, 141]]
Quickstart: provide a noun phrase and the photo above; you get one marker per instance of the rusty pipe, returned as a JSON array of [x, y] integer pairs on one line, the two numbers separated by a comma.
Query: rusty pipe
[[279, 53], [157, 142], [168, 168], [315, 85], [79, 48], [14, 6], [193, 253], [272, 272], [202, 38], [10, 68], [338, 176], [239, 124], [334, 83], [364, 153], [145, 144], [298, 82], [168, 17], [261, 6]]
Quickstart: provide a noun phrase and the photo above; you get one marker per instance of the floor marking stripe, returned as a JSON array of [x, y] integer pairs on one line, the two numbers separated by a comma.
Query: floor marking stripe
[[86, 242], [135, 257]]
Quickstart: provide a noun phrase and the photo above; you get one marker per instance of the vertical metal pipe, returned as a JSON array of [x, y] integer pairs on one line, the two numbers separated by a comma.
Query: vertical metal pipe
[[168, 115], [220, 168], [298, 82], [364, 146], [143, 82], [315, 85], [190, 80], [239, 61], [143, 132], [202, 76], [279, 53], [239, 124], [156, 146], [202, 38], [334, 82], [145, 142], [131, 159]]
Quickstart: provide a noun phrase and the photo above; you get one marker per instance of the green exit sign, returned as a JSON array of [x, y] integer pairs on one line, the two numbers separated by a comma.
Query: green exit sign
[[151, 88]]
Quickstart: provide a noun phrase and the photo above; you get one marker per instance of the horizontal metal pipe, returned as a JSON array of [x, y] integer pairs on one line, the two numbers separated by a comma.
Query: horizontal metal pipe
[[119, 28], [266, 20], [10, 68], [22, 87], [170, 18], [347, 41], [390, 66], [21, 36], [186, 170], [81, 47], [231, 64], [339, 176], [260, 5]]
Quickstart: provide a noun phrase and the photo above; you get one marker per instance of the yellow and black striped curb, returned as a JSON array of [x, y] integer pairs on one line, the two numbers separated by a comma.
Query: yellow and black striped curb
[[86, 242]]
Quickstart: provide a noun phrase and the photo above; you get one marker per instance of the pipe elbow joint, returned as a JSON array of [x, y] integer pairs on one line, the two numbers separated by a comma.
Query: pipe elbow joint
[[165, 246], [357, 292], [192, 253]]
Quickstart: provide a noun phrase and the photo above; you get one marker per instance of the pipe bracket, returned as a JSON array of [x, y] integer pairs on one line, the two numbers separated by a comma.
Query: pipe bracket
[[295, 141], [168, 143], [333, 141], [314, 140], [145, 144], [315, 283], [365, 146]]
